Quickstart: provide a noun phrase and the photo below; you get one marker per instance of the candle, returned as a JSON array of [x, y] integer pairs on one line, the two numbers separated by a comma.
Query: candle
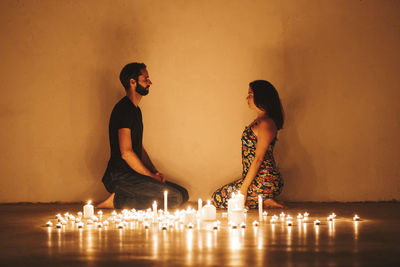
[[242, 225], [215, 226], [165, 201], [154, 211], [317, 222], [289, 223], [260, 208], [208, 212], [356, 218], [80, 224], [80, 214], [199, 205], [49, 224], [99, 225], [255, 223], [88, 210], [58, 225], [236, 216], [105, 223]]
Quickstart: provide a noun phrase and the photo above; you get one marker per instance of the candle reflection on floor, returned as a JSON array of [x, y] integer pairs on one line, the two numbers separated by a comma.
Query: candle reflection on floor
[[200, 243]]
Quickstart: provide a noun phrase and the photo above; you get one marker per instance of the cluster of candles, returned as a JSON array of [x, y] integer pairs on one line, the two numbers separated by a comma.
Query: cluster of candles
[[236, 216]]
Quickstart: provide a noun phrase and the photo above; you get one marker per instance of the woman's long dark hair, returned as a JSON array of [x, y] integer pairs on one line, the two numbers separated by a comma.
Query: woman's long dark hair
[[267, 98]]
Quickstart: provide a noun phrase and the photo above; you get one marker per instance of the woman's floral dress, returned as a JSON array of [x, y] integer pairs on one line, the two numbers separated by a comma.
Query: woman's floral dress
[[268, 181]]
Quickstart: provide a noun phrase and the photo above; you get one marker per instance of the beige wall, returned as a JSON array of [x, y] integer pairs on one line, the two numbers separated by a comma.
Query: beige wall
[[335, 64]]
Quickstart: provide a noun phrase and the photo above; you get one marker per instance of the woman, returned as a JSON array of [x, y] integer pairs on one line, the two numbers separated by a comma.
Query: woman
[[260, 174]]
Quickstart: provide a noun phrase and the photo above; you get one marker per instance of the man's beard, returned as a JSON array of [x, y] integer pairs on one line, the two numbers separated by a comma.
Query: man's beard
[[141, 90]]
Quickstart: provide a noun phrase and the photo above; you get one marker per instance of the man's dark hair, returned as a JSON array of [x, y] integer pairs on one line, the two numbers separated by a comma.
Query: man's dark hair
[[267, 98], [130, 71]]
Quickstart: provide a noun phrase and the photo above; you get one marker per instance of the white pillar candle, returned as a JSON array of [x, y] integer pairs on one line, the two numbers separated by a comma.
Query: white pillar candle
[[240, 200], [260, 208], [165, 201], [208, 212], [88, 210], [199, 205], [236, 216]]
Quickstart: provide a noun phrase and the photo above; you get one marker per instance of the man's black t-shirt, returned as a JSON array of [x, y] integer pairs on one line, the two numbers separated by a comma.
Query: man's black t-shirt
[[125, 115]]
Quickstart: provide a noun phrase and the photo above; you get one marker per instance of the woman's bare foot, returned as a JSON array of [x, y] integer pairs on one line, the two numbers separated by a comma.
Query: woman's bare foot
[[272, 204], [108, 203]]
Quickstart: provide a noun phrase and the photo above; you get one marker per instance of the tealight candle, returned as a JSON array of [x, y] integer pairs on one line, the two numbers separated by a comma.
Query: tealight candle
[[49, 224], [299, 216], [105, 223], [242, 225], [165, 201], [234, 225], [255, 223], [120, 226], [215, 226], [356, 218], [80, 224], [88, 210], [317, 222], [58, 225], [289, 223], [99, 225], [89, 222], [190, 225]]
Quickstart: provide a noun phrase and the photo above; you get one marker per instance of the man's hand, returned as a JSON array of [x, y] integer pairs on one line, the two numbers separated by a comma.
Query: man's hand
[[161, 176]]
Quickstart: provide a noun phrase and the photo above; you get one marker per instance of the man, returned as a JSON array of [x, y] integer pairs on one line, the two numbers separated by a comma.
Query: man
[[131, 177]]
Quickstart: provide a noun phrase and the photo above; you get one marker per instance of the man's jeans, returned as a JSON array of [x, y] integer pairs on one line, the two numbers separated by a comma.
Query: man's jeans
[[133, 190]]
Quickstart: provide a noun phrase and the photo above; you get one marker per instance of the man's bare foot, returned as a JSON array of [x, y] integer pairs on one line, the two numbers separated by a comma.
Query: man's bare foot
[[272, 204], [108, 203]]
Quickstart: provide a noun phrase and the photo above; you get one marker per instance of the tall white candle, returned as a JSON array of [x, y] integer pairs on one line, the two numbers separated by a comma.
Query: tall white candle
[[260, 208], [199, 205], [165, 201], [88, 210]]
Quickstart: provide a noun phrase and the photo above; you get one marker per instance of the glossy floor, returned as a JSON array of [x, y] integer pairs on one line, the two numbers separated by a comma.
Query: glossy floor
[[374, 241]]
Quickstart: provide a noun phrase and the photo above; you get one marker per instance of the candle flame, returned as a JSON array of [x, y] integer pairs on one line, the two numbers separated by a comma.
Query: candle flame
[[89, 202]]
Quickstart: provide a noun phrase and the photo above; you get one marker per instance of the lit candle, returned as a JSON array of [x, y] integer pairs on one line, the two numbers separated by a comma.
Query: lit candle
[[255, 223], [260, 208], [242, 225], [99, 225], [215, 226], [289, 223], [105, 223], [80, 224], [165, 201], [356, 218], [58, 225], [154, 210], [199, 205], [100, 213], [80, 214], [49, 224], [208, 212], [88, 210], [317, 222]]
